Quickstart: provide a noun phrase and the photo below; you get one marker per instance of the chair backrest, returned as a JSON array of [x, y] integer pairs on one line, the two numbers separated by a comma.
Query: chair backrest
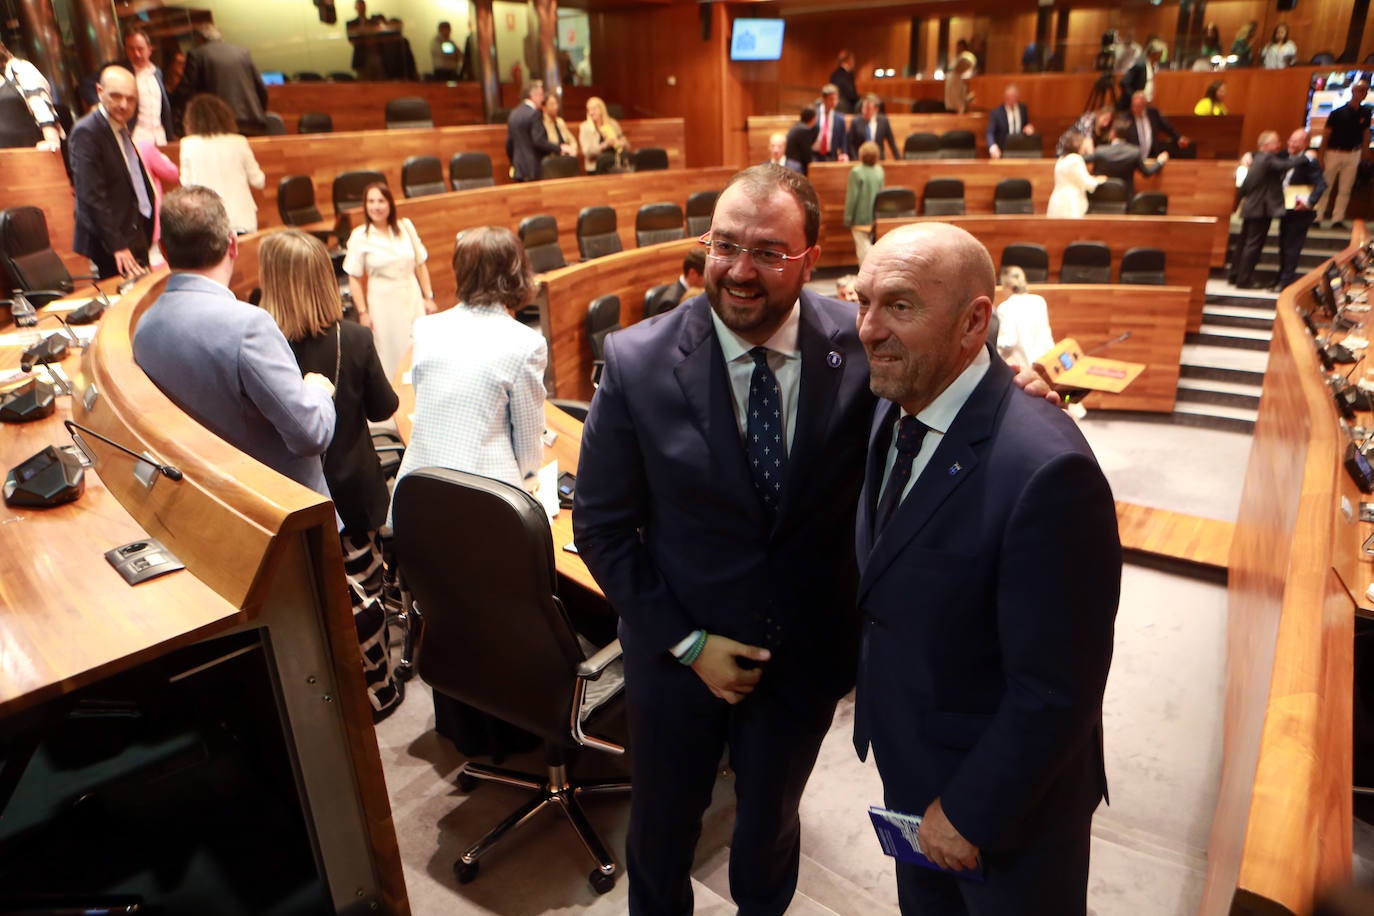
[[1033, 259], [555, 165], [349, 186], [603, 317], [478, 559], [700, 205], [1023, 146], [943, 197], [1109, 197], [470, 170], [308, 76], [315, 122], [28, 255], [1149, 203], [273, 125], [958, 144], [1143, 266], [615, 110], [921, 145], [408, 111], [296, 201], [1012, 195], [893, 202], [540, 235], [928, 106], [596, 233], [649, 159], [342, 76], [1086, 262], [660, 222], [657, 301], [422, 175], [1323, 59]]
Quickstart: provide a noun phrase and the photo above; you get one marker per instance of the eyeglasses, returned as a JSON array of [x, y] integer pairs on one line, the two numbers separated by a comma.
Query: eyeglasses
[[763, 258]]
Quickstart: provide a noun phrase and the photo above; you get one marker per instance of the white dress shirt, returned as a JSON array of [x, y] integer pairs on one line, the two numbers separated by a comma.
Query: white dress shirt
[[149, 123], [784, 358]]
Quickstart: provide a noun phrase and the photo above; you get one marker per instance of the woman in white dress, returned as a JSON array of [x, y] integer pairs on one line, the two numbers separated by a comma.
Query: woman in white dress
[[216, 156], [1072, 181], [387, 276]]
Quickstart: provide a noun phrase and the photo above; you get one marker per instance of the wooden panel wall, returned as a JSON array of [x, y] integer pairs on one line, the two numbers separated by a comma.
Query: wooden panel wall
[[811, 43], [362, 105]]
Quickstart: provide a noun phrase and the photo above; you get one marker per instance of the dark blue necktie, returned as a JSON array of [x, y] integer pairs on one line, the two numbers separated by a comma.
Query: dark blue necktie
[[910, 433], [765, 432]]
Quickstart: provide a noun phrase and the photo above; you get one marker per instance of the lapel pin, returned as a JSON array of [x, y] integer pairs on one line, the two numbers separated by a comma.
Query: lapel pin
[[955, 468], [834, 360]]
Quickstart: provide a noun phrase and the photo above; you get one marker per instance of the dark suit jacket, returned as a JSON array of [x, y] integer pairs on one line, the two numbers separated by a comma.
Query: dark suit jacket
[[227, 71], [361, 393], [1308, 171], [1132, 81], [526, 141], [1121, 160], [1262, 190], [988, 605], [1160, 128], [839, 140], [798, 149], [669, 522], [998, 128], [882, 135], [107, 217], [849, 93]]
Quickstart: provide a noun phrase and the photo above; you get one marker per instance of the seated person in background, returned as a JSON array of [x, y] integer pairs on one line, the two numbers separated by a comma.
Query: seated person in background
[[1072, 182], [27, 115], [1006, 120], [691, 283], [556, 128], [800, 136], [444, 54], [1150, 130], [1280, 51], [844, 288], [1213, 102], [870, 124], [301, 294], [1122, 159], [601, 137], [225, 362], [1024, 333]]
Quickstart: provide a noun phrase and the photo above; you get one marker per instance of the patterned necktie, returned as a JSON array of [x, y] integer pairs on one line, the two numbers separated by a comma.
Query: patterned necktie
[[764, 431], [911, 432], [135, 172]]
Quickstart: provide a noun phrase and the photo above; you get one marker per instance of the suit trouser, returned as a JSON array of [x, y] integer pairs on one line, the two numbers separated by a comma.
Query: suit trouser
[[1248, 247], [1293, 228], [1341, 169], [104, 260], [678, 732]]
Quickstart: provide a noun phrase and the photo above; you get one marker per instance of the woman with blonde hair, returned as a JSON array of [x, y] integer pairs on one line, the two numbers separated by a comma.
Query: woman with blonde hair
[[600, 134], [216, 156], [301, 294]]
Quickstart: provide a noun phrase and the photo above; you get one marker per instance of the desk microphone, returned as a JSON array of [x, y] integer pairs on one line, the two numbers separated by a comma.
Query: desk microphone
[[166, 470], [1125, 335], [90, 310], [50, 349]]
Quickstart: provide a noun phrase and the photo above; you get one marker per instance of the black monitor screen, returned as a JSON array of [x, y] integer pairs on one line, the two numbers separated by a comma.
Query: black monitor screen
[[1329, 90]]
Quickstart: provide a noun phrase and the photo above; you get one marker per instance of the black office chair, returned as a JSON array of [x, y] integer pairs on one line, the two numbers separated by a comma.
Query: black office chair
[[296, 203], [349, 186], [31, 263], [1033, 259], [1149, 203], [603, 318], [421, 176], [596, 233], [657, 300], [308, 76], [1323, 59], [660, 222], [649, 159], [408, 112], [478, 558], [1086, 262], [921, 145], [928, 106], [342, 76], [1012, 195], [700, 206], [315, 122], [958, 144], [1110, 197], [894, 202], [1144, 266], [555, 165], [470, 170], [273, 125], [1022, 146], [943, 197], [540, 237]]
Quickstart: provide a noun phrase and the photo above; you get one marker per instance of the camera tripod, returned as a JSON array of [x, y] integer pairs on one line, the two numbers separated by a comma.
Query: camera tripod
[[1103, 92]]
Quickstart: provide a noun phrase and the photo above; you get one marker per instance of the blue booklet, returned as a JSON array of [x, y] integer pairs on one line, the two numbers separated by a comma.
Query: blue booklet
[[897, 835]]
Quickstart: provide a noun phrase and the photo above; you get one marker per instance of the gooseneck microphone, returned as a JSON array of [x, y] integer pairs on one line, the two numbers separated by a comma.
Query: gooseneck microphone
[[1115, 340], [166, 470], [48, 350]]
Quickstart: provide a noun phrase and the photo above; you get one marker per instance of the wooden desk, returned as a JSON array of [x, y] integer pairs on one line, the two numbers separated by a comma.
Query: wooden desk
[[362, 105], [262, 557]]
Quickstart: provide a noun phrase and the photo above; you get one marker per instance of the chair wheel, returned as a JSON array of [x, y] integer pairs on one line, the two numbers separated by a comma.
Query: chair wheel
[[467, 782], [465, 871], [601, 882]]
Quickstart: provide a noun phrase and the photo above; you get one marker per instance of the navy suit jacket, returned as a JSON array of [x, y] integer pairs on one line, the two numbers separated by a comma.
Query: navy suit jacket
[[669, 522], [988, 605], [526, 142], [882, 135], [998, 128], [839, 139], [107, 214], [1160, 128]]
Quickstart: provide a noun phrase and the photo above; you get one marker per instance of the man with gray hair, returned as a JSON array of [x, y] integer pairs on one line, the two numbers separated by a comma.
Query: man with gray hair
[[1262, 200], [219, 68]]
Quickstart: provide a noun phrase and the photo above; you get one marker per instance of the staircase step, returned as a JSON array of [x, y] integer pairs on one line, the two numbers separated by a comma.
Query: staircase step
[[1221, 357], [1221, 374], [1213, 392], [1215, 416], [1221, 336], [1228, 318]]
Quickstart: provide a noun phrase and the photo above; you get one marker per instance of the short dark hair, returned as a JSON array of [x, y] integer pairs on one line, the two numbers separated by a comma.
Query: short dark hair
[[808, 115], [491, 267], [195, 228], [1121, 126], [762, 180], [134, 33], [695, 260]]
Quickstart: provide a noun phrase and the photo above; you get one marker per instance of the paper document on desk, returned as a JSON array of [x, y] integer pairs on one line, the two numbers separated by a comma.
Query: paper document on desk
[[897, 834], [548, 488]]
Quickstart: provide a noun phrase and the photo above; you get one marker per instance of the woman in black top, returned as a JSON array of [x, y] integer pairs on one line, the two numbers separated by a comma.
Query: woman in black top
[[300, 293]]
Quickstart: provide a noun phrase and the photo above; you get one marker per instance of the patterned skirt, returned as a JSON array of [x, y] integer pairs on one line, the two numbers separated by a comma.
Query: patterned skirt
[[363, 567]]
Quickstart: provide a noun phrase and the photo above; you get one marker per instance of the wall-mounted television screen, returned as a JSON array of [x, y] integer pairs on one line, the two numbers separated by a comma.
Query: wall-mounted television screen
[[1329, 90], [756, 39]]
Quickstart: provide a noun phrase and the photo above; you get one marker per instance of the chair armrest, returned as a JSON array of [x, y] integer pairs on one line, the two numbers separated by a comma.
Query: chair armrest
[[592, 667]]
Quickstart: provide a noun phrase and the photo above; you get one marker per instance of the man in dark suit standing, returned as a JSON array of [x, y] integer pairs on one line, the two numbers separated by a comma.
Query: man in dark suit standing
[[1008, 119], [1140, 76], [1305, 171], [989, 576], [800, 138], [843, 80], [831, 140], [1149, 129], [719, 469], [871, 124], [1121, 158], [1262, 200], [114, 196], [527, 143], [226, 70]]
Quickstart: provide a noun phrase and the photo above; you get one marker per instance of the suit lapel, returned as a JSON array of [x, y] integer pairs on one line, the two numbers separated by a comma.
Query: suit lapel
[[817, 338], [879, 441]]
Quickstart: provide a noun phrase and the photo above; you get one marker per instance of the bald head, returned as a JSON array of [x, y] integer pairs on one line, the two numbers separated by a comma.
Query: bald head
[[1297, 142], [118, 94]]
